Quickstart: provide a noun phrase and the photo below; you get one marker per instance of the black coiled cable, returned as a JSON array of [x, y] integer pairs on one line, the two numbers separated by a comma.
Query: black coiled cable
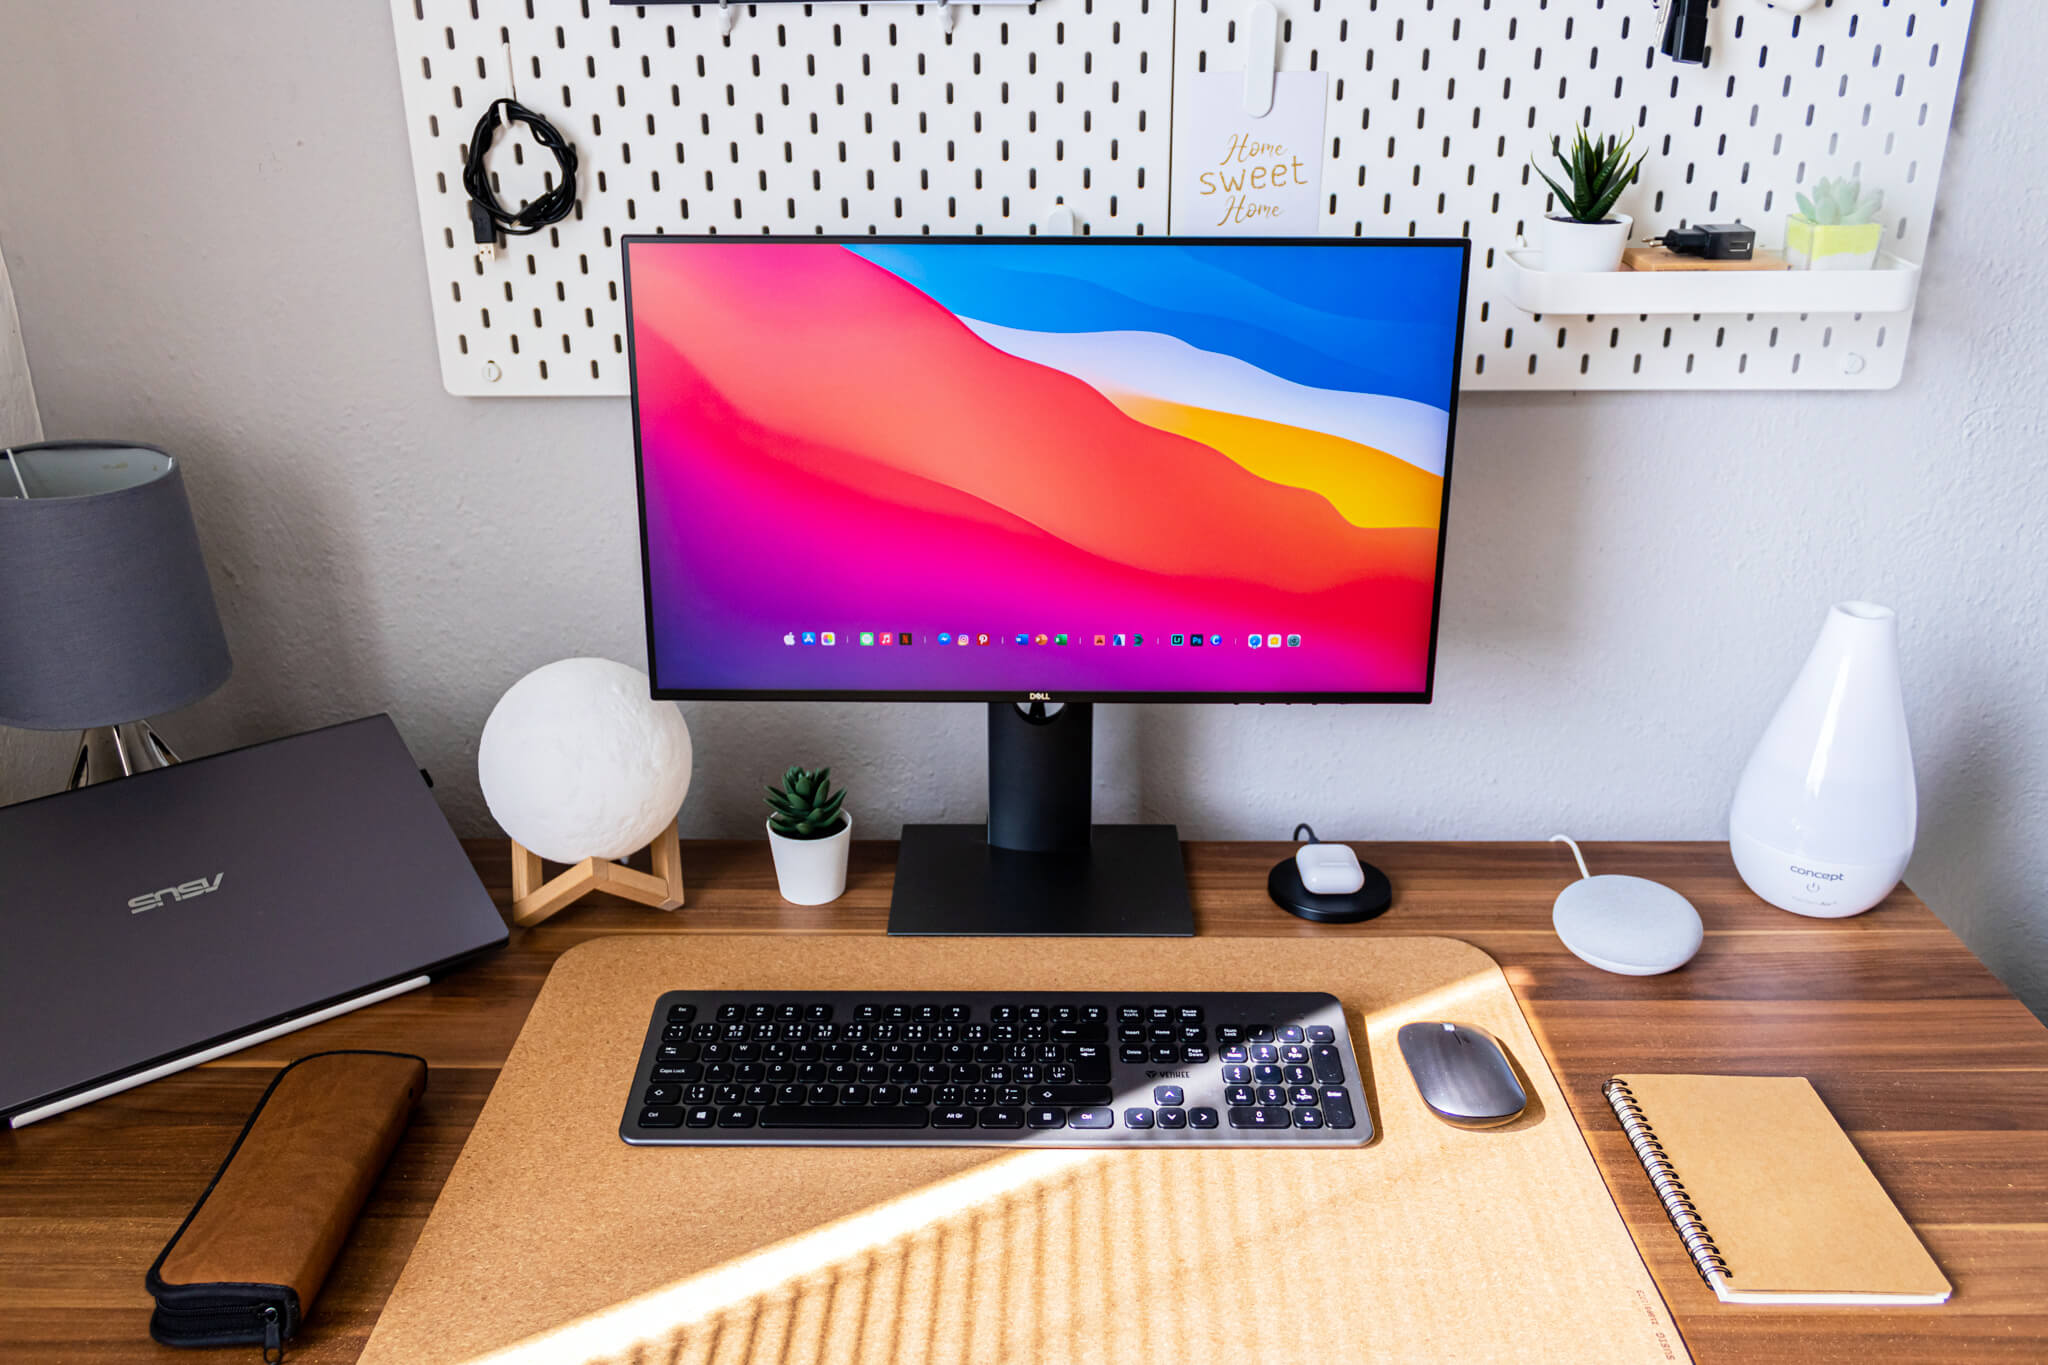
[[552, 207]]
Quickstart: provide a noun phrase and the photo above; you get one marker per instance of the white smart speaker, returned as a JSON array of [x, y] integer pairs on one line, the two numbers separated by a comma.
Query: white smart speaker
[[1825, 814], [1630, 926]]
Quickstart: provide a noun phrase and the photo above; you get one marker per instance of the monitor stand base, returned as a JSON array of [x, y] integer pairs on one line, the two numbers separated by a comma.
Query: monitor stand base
[[1128, 883]]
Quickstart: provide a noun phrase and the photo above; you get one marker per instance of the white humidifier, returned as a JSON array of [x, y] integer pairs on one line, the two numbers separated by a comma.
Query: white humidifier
[[1825, 813]]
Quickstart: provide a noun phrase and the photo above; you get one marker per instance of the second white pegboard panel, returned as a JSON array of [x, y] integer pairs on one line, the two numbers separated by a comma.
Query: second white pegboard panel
[[1436, 105], [829, 118]]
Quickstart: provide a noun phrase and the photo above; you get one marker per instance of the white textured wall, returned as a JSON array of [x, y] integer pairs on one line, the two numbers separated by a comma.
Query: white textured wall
[[20, 424], [209, 215]]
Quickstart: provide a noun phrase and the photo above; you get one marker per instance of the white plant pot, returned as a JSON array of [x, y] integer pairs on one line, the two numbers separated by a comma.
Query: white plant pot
[[811, 871], [1575, 248], [1825, 814]]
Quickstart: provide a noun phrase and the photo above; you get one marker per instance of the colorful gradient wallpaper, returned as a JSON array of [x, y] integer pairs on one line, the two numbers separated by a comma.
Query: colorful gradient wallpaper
[[1225, 462]]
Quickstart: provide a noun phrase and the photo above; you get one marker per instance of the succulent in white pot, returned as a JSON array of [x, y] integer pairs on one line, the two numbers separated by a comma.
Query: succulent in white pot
[[1586, 234], [1835, 229], [809, 834]]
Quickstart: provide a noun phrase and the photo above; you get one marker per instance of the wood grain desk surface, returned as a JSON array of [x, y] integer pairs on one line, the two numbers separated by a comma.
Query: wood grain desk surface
[[1939, 1074]]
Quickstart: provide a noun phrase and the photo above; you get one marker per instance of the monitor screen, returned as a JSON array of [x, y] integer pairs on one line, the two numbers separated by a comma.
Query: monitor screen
[[1083, 468]]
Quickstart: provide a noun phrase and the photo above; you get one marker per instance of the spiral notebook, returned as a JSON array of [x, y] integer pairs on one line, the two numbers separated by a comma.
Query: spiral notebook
[[1771, 1199]]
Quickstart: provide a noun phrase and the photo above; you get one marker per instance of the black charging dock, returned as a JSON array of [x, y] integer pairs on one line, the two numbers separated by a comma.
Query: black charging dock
[[1369, 901]]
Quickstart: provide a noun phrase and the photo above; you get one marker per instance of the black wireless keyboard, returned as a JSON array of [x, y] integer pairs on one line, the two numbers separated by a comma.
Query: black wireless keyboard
[[1035, 1069]]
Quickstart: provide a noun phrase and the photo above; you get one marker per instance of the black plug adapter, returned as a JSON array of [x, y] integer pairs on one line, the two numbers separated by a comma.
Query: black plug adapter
[[1713, 241]]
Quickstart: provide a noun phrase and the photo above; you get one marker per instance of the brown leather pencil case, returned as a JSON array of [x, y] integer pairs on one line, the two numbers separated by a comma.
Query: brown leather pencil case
[[248, 1261]]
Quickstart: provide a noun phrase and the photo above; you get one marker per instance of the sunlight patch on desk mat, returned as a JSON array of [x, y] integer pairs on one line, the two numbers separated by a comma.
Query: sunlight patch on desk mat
[[554, 1241]]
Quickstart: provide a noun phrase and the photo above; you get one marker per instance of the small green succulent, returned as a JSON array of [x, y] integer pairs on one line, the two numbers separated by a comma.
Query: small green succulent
[[1599, 168], [1840, 203], [805, 806]]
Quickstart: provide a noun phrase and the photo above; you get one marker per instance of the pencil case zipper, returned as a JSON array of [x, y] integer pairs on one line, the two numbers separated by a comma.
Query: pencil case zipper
[[267, 1319]]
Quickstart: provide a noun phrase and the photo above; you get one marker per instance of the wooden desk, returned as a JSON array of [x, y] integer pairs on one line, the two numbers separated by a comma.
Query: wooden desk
[[1940, 1075]]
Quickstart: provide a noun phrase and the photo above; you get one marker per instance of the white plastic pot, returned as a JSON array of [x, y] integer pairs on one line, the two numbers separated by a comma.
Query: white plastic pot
[[1575, 248], [811, 871]]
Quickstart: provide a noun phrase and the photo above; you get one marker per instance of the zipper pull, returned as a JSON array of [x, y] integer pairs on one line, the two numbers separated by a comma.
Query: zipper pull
[[273, 1337]]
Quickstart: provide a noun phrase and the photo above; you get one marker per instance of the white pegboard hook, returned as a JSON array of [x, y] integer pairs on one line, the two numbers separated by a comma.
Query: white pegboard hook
[[1261, 56], [945, 16], [728, 15], [511, 73], [1060, 222]]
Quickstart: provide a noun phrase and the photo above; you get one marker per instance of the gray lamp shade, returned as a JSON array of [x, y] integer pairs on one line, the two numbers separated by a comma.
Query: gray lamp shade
[[106, 615]]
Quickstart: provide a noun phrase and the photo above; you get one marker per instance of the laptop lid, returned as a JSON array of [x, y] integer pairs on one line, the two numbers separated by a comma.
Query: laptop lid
[[146, 918]]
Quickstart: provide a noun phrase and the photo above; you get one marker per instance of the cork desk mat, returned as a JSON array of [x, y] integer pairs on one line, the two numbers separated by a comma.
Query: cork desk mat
[[554, 1241]]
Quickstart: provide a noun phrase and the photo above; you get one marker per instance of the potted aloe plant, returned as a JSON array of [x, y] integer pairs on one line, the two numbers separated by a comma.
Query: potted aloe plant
[[1836, 229], [809, 833], [1586, 234]]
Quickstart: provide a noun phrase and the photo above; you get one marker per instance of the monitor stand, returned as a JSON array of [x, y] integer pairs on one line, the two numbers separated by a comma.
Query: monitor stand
[[1038, 868]]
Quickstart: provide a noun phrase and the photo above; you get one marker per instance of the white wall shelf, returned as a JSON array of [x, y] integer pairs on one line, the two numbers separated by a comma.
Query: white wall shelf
[[1887, 288]]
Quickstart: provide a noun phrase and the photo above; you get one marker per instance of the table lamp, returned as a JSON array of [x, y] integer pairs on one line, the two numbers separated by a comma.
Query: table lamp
[[106, 617]]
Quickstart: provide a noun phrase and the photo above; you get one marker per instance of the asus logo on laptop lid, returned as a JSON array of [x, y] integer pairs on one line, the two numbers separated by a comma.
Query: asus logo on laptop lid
[[183, 891]]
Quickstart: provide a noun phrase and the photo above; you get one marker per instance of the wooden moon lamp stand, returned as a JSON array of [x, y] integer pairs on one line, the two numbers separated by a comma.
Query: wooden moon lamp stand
[[535, 896]]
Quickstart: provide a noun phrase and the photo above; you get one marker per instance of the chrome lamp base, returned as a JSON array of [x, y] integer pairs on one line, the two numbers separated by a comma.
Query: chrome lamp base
[[123, 750]]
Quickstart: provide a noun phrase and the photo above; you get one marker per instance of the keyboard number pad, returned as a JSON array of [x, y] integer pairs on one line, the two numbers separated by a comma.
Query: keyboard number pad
[[1278, 1076]]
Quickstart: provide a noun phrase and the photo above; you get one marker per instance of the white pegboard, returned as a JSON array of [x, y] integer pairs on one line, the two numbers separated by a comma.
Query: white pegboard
[[849, 118], [829, 118], [1435, 106]]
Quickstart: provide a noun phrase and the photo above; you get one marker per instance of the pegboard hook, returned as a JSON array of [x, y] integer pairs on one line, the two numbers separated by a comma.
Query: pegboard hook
[[728, 15], [945, 16], [1061, 222], [1261, 56]]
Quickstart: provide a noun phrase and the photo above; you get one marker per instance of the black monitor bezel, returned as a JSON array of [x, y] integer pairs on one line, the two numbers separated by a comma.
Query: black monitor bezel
[[1422, 697]]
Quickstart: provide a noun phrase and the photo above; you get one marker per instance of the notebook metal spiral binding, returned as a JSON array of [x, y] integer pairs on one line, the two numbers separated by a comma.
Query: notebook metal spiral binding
[[1678, 1206]]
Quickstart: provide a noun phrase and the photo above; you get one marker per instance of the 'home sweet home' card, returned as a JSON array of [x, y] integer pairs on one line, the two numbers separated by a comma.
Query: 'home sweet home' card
[[1239, 176]]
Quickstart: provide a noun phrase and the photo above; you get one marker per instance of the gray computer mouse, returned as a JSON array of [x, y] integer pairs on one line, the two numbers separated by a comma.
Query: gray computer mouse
[[1463, 1075]]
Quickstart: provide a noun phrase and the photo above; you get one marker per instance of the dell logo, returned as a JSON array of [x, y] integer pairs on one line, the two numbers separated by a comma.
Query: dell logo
[[183, 891], [1038, 696]]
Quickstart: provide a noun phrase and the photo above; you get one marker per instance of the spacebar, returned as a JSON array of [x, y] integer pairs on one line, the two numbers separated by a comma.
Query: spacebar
[[849, 1116]]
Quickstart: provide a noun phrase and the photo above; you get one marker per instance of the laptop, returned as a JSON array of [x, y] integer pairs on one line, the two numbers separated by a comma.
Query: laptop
[[155, 922]]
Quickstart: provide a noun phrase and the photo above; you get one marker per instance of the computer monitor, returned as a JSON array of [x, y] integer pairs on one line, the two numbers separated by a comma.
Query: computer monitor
[[1041, 473]]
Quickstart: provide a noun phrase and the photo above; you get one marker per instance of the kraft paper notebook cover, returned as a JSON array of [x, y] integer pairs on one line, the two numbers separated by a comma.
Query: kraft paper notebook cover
[[1772, 1200]]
